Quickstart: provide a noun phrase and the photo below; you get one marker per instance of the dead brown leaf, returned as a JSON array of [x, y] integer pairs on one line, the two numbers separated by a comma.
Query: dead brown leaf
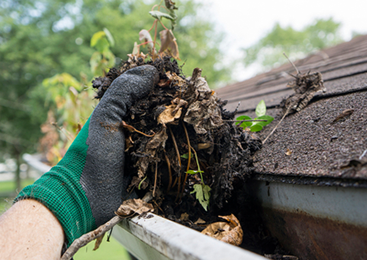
[[164, 83], [128, 143], [151, 148], [305, 87], [169, 115], [98, 242], [199, 222], [168, 42], [184, 216], [133, 207], [229, 232], [288, 152], [177, 80]]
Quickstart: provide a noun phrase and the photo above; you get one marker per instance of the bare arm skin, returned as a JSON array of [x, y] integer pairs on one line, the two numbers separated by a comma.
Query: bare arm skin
[[28, 230]]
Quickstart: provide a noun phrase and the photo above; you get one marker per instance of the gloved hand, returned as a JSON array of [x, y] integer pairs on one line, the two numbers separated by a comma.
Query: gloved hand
[[88, 185]]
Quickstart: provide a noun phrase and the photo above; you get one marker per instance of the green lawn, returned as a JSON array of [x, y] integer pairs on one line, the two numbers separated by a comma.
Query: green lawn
[[7, 188], [107, 251]]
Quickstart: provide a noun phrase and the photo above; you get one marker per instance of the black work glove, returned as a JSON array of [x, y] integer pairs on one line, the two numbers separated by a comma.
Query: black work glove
[[88, 185]]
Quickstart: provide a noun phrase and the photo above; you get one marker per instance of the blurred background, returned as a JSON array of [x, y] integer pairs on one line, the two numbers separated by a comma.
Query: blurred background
[[47, 62]]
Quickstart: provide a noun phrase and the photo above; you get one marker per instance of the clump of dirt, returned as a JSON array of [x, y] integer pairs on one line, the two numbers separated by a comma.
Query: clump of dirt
[[180, 136]]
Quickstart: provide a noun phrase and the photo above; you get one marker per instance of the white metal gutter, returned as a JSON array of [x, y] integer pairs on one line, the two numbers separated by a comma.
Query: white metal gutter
[[346, 204], [156, 238], [34, 161], [315, 222]]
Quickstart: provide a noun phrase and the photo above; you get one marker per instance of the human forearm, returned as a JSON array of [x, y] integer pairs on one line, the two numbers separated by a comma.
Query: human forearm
[[30, 231]]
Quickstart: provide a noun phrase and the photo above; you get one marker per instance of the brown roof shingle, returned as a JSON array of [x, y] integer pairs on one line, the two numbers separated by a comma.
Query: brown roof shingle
[[319, 148]]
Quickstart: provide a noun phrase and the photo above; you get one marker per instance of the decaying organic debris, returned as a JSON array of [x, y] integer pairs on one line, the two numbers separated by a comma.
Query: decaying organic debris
[[229, 232], [181, 146], [305, 87]]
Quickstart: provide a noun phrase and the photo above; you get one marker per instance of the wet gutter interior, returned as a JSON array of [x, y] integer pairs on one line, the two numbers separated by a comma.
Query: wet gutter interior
[[315, 222], [310, 221]]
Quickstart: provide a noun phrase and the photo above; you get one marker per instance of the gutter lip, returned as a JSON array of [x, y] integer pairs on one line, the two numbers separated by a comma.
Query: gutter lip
[[327, 181], [175, 241]]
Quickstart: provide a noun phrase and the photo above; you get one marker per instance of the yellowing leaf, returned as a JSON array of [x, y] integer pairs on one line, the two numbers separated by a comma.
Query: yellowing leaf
[[168, 42], [96, 37], [230, 232]]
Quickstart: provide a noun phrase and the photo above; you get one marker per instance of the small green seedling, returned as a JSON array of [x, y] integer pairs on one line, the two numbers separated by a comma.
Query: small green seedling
[[202, 191], [186, 156], [256, 126]]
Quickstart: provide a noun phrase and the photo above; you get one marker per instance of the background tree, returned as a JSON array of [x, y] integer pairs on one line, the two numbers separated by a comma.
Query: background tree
[[268, 52], [41, 38]]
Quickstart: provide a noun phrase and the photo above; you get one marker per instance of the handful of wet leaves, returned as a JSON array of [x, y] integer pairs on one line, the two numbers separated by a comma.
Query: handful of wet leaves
[[183, 146]]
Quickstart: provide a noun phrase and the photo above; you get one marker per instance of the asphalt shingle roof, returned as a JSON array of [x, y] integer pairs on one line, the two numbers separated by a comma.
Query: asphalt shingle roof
[[316, 146]]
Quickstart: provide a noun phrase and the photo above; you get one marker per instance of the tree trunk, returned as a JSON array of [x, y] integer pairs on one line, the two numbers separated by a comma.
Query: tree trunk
[[17, 173]]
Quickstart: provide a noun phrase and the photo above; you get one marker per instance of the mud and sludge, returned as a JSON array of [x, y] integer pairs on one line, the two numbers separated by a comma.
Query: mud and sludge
[[180, 136]]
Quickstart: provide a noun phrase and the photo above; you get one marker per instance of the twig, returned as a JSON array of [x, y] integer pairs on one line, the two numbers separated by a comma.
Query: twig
[[156, 204], [174, 183], [294, 66], [189, 159], [163, 25], [363, 154], [169, 172], [86, 238], [272, 131], [155, 35], [133, 129], [155, 178], [176, 147]]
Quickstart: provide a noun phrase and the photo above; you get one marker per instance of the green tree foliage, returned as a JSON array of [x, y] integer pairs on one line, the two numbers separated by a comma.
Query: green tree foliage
[[42, 38], [296, 44]]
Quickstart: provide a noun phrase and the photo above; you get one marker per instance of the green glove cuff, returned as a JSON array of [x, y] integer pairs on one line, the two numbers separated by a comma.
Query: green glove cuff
[[61, 192]]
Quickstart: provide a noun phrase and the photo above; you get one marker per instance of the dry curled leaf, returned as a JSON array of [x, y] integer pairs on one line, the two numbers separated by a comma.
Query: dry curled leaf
[[133, 207], [168, 43], [229, 232], [177, 80], [184, 217], [305, 87], [151, 148], [164, 83], [144, 36], [169, 115], [128, 143], [199, 222], [288, 152], [98, 242], [204, 114]]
